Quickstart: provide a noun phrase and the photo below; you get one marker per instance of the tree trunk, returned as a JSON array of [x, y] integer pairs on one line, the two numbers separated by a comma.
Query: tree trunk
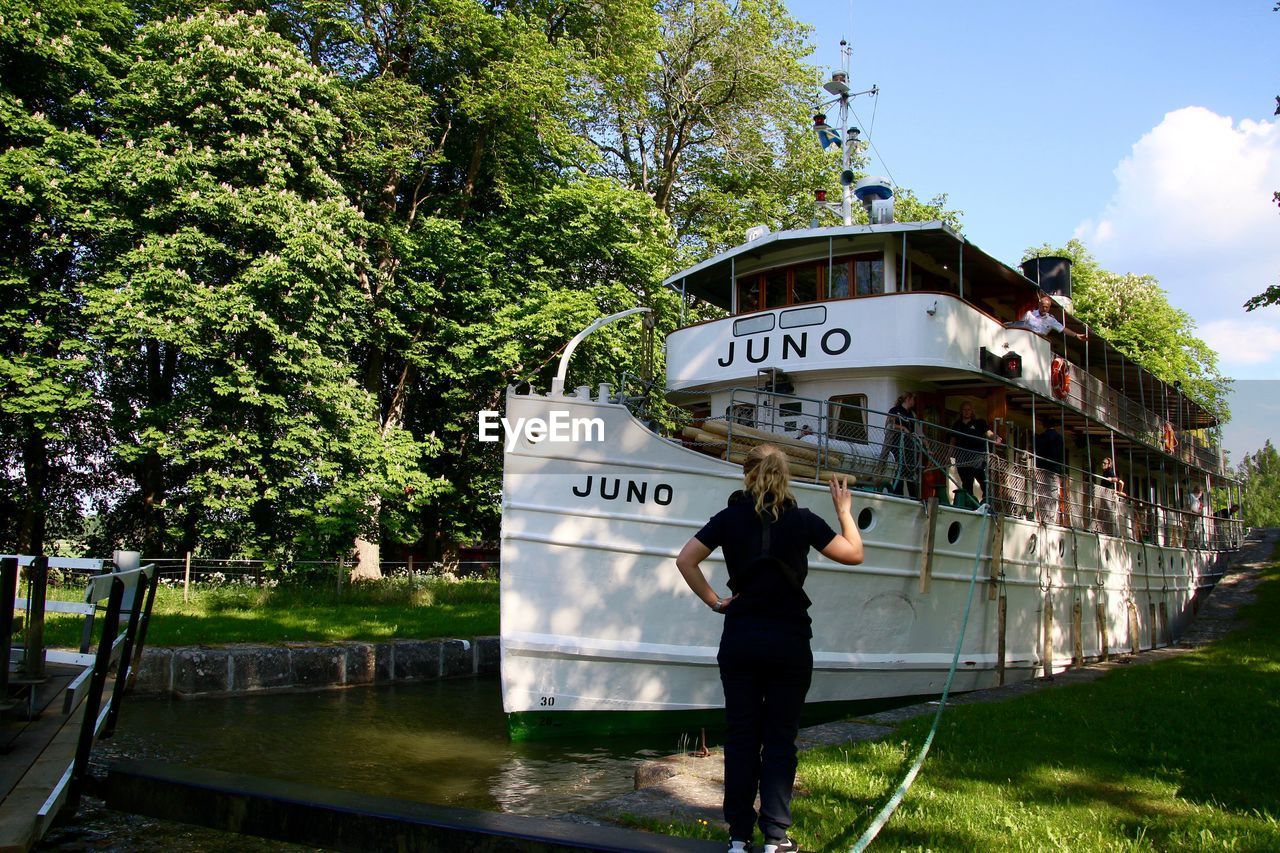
[[35, 467], [368, 562]]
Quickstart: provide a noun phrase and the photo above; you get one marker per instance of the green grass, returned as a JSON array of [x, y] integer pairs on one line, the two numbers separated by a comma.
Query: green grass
[[1178, 755], [408, 608]]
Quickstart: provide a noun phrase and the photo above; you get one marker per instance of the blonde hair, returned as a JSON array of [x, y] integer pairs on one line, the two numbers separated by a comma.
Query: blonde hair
[[767, 477]]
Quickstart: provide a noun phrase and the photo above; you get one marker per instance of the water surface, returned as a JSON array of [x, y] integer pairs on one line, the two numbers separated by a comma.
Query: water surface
[[442, 742]]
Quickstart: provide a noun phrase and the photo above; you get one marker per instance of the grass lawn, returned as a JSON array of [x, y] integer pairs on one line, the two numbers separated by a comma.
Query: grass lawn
[[408, 608], [1178, 755]]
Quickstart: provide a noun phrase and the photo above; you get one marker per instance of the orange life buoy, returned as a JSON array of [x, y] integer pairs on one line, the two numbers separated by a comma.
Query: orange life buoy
[[1169, 440], [1060, 378]]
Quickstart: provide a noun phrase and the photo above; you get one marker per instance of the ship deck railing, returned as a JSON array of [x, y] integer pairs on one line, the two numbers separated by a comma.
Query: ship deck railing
[[1096, 399], [854, 440]]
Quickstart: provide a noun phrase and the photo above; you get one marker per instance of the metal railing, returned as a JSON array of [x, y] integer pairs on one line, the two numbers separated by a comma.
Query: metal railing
[[1092, 397], [921, 460]]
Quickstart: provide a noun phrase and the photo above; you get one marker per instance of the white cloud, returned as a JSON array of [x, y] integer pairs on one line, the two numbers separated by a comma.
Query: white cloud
[[1193, 207], [1195, 182], [1243, 342]]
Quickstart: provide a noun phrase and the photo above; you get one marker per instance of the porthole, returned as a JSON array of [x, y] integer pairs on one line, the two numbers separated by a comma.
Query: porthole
[[1062, 547], [866, 519], [1106, 554], [953, 532], [1031, 544]]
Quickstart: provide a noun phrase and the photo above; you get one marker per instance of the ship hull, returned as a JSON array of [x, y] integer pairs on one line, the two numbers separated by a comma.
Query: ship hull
[[599, 631]]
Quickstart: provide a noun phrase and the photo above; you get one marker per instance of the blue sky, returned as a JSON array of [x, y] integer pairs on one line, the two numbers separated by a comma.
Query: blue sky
[[1145, 129]]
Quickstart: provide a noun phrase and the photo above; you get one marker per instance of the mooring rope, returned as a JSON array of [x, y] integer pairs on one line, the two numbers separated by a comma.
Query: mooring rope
[[890, 807]]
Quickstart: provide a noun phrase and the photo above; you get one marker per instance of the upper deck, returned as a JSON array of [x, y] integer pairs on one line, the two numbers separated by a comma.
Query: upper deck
[[915, 299]]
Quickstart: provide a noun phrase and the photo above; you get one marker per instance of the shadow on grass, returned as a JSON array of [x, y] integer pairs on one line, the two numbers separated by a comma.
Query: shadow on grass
[[1180, 753]]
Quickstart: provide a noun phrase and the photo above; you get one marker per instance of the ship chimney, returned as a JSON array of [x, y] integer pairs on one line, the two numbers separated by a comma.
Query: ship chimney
[[1052, 275]]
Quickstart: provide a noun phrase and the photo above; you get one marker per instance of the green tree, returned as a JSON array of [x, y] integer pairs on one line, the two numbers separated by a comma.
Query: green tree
[[716, 126], [1133, 314], [1260, 474], [228, 303], [459, 124], [58, 60]]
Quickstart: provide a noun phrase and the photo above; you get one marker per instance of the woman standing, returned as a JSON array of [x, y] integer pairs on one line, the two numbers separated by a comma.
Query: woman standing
[[765, 660]]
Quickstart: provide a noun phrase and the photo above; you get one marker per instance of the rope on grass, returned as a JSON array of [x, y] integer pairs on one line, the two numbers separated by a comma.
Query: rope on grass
[[894, 801]]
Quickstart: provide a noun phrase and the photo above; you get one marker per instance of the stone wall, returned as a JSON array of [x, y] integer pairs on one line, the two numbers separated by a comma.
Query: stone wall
[[219, 671]]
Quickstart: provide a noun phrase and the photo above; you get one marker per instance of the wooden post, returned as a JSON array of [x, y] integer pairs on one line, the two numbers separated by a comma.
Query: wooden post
[[186, 580], [1002, 622], [38, 584], [1165, 635], [1077, 632], [926, 552], [8, 595], [997, 555], [1046, 655], [409, 564], [338, 565], [1133, 628], [1151, 608], [1102, 629]]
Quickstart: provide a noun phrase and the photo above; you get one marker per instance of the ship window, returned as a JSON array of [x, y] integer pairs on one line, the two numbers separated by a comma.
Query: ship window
[[847, 416], [775, 288], [869, 276], [753, 325], [789, 412], [797, 317], [804, 285], [839, 288], [748, 294]]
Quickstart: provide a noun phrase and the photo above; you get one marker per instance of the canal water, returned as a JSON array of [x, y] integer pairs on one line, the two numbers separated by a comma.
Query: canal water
[[442, 742]]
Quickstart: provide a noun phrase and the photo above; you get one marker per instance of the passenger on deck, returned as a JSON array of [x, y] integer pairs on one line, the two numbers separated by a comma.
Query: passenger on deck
[[901, 438], [972, 443], [1110, 478], [1197, 508], [1050, 457], [1041, 319], [1108, 496]]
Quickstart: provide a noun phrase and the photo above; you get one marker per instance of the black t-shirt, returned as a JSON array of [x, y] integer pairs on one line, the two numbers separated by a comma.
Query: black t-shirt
[[972, 436], [1109, 476], [906, 419], [1050, 449], [738, 530]]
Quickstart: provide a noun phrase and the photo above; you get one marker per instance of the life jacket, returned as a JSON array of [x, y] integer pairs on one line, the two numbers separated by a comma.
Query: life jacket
[[1060, 378]]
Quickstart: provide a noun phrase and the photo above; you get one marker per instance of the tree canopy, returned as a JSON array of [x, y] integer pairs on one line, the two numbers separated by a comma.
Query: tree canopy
[[1260, 474], [263, 262]]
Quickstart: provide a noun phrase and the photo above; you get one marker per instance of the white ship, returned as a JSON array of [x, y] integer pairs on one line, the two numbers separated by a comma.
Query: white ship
[[823, 330]]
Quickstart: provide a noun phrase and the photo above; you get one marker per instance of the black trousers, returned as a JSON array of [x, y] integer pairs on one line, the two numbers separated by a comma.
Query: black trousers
[[765, 667], [969, 475]]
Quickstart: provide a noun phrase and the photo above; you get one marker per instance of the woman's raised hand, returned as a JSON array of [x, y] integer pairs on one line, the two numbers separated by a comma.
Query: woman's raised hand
[[841, 498]]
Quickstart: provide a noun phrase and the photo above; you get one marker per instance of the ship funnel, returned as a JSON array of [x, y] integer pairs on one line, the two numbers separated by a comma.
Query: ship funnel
[[1052, 275], [876, 195]]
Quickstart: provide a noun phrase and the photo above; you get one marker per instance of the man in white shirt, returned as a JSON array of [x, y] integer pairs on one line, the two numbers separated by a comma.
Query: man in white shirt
[[1042, 320]]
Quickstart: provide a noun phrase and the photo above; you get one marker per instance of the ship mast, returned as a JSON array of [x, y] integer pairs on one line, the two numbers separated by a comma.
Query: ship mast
[[838, 85]]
